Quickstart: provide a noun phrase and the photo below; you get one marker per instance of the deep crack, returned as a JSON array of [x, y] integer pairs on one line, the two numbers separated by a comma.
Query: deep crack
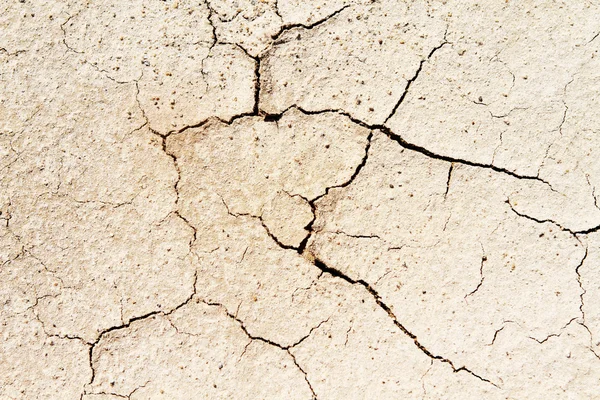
[[410, 146], [338, 274]]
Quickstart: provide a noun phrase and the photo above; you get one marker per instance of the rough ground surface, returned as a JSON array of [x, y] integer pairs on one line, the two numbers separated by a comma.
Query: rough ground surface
[[299, 199]]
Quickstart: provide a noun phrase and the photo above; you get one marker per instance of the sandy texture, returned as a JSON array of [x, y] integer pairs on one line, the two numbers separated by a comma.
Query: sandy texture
[[284, 199]]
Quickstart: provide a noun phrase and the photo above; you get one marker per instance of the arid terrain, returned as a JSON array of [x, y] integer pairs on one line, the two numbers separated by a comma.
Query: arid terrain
[[299, 199]]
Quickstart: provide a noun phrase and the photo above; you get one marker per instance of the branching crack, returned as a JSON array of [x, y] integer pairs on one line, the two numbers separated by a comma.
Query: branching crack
[[287, 27], [270, 342], [93, 344], [301, 249], [122, 396], [260, 338], [313, 202], [410, 146]]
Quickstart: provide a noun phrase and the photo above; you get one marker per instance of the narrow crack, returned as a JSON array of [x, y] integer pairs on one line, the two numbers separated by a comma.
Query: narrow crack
[[262, 222], [539, 221], [593, 38], [11, 54], [355, 236], [260, 338], [496, 335], [587, 177], [481, 277], [312, 390], [287, 27], [583, 291], [176, 212], [312, 203], [562, 228], [544, 340], [592, 344], [414, 78], [64, 38], [450, 170]]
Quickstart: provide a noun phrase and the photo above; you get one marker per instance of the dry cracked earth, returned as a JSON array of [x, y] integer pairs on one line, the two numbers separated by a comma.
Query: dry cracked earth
[[299, 199]]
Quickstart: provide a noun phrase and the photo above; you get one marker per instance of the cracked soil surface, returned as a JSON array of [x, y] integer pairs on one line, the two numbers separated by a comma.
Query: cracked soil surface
[[299, 199]]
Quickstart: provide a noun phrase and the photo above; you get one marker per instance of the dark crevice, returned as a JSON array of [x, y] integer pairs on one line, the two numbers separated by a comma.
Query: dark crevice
[[309, 228], [431, 154], [410, 146], [333, 272], [587, 231], [448, 180], [302, 247], [256, 82], [393, 136], [255, 108], [313, 202], [211, 13]]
